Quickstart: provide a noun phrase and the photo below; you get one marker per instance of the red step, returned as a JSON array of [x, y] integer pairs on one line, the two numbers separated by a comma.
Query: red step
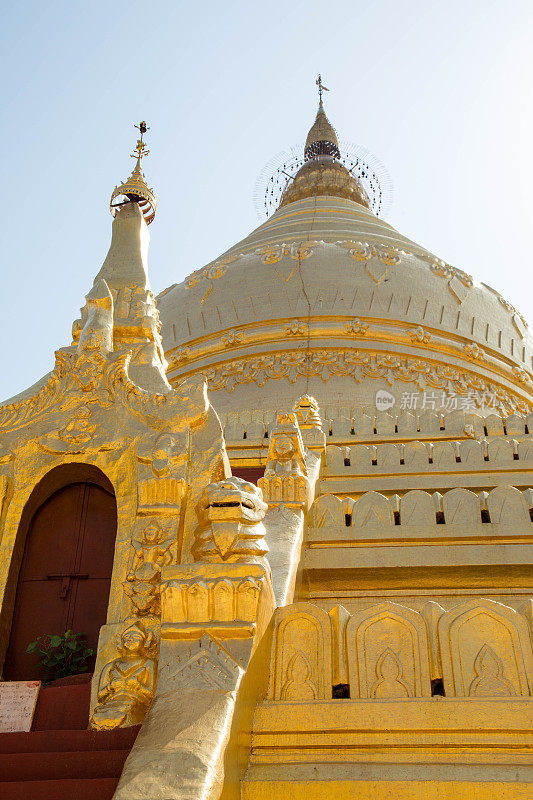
[[63, 764], [72, 789], [59, 741], [55, 766], [63, 704]]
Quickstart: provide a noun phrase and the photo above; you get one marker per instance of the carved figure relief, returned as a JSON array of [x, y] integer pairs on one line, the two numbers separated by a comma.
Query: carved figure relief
[[485, 647], [127, 683], [153, 550], [75, 436], [230, 514], [285, 478], [162, 472]]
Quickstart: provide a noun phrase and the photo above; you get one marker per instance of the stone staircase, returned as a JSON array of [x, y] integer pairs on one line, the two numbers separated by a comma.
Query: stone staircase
[[61, 765], [59, 759]]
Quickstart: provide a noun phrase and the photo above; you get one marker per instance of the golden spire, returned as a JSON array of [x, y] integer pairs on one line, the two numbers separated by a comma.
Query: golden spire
[[135, 189], [321, 139]]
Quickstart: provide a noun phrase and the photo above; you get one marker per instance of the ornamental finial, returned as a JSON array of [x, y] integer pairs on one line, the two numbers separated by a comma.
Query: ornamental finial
[[321, 87], [321, 139], [135, 189], [140, 149]]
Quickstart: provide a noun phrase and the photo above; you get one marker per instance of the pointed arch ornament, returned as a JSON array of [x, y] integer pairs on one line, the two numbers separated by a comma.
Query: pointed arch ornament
[[484, 643]]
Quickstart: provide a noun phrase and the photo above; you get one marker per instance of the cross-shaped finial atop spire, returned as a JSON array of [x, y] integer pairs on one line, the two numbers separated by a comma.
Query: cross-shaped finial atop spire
[[321, 87]]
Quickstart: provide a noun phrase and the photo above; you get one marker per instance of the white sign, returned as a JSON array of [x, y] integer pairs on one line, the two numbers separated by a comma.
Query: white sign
[[17, 704]]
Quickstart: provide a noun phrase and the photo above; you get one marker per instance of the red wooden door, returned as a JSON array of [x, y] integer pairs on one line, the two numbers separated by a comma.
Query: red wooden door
[[65, 574]]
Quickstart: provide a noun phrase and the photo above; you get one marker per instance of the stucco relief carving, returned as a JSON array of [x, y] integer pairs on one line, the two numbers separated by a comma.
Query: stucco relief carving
[[162, 472], [285, 479], [5, 482], [230, 529], [359, 365], [213, 597], [296, 328], [473, 350], [301, 654], [307, 412], [127, 683], [363, 251], [485, 648], [489, 678], [419, 335], [204, 277], [388, 653], [389, 673], [446, 271], [512, 310], [232, 338], [297, 251], [356, 327], [206, 666], [154, 547]]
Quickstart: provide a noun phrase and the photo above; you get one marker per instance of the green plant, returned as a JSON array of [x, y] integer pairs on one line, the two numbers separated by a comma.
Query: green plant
[[62, 655]]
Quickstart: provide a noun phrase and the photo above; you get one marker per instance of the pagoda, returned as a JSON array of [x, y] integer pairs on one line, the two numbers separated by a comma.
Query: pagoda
[[289, 502]]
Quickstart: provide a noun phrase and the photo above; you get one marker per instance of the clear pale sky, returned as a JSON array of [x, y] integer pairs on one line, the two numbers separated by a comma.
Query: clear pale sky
[[439, 92]]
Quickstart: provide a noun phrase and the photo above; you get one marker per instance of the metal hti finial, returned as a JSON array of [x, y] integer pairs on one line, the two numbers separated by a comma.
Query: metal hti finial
[[140, 148], [135, 189], [321, 87]]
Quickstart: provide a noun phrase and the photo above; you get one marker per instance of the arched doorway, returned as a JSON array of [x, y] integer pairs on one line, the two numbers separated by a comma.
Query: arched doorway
[[70, 525]]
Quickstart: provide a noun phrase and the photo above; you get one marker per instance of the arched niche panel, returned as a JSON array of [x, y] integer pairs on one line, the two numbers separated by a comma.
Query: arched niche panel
[[388, 655], [485, 650], [301, 654]]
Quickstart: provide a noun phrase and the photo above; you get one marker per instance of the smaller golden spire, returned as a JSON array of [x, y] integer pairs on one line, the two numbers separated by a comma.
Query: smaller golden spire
[[135, 189]]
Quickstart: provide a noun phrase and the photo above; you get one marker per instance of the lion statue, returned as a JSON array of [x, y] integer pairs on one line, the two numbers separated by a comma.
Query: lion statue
[[230, 514]]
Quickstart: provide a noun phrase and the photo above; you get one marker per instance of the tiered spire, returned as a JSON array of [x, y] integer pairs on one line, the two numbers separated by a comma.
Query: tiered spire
[[323, 173], [135, 189], [322, 138]]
